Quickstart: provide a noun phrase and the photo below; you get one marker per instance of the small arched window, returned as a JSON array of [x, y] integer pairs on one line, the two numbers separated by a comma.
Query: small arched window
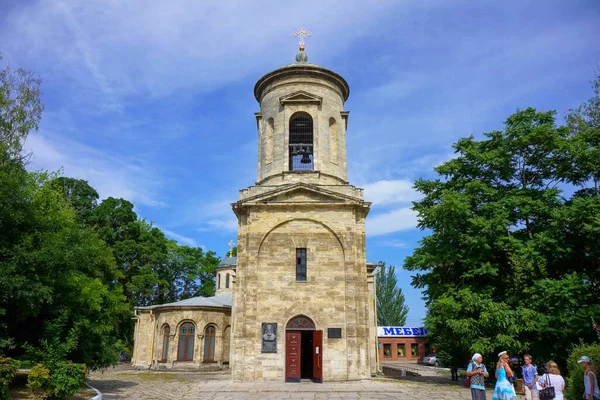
[[270, 129], [185, 349], [209, 343], [165, 344], [227, 281], [333, 140], [218, 281], [301, 142]]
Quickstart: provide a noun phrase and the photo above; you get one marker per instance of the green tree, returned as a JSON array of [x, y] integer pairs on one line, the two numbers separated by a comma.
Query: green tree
[[502, 267], [391, 310], [78, 193], [20, 111]]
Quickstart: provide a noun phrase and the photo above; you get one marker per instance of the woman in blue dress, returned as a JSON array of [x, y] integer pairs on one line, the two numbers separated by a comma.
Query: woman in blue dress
[[504, 390]]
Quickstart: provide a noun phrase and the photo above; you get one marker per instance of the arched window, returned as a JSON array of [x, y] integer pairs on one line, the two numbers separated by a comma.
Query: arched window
[[209, 343], [301, 142], [333, 141], [227, 281], [185, 349], [300, 323], [270, 129], [165, 343], [218, 281]]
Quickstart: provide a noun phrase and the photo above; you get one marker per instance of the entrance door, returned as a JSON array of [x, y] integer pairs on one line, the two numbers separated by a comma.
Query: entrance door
[[292, 356], [318, 356]]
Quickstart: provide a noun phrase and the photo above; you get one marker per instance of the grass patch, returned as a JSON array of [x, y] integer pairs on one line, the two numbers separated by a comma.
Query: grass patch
[[158, 377]]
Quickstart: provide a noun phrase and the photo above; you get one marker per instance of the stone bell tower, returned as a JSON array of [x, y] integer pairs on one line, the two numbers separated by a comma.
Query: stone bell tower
[[301, 302]]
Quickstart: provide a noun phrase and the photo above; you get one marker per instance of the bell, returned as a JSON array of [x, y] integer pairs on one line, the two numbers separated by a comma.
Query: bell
[[305, 159]]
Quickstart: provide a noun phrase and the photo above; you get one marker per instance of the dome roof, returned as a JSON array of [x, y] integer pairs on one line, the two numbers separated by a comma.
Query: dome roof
[[301, 68]]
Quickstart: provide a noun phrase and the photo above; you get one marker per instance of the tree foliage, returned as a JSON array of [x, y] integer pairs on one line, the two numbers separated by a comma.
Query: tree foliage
[[510, 263], [391, 309], [72, 268]]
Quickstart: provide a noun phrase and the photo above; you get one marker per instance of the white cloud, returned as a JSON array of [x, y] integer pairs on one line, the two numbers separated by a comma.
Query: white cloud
[[392, 243], [390, 192], [401, 219], [179, 238], [111, 175], [113, 50]]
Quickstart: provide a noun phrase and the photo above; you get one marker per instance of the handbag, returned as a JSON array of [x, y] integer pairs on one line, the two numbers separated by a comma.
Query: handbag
[[467, 382], [547, 392]]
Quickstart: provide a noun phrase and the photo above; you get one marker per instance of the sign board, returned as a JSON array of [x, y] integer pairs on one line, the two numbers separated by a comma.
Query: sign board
[[401, 331], [334, 333], [269, 337]]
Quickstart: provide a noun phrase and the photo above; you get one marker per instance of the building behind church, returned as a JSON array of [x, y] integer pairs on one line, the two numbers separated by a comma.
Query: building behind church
[[298, 301]]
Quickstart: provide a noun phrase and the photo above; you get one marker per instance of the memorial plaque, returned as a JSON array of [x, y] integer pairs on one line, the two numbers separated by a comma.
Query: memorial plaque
[[334, 333], [269, 337]]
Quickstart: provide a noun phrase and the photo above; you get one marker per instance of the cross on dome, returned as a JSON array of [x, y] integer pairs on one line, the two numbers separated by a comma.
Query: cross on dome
[[302, 33]]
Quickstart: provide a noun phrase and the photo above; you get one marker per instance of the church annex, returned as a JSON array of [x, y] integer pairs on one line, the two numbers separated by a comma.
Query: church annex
[[298, 302]]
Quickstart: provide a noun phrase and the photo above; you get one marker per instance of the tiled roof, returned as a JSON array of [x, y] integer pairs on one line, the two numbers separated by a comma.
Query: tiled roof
[[223, 300], [227, 262]]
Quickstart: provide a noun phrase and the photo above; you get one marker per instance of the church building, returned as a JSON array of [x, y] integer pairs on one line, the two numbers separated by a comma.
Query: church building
[[298, 302]]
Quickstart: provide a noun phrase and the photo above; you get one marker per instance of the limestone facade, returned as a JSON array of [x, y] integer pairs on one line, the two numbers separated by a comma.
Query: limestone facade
[[316, 210], [163, 340]]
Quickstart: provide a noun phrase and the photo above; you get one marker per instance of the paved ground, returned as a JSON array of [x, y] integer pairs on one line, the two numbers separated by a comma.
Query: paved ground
[[127, 384]]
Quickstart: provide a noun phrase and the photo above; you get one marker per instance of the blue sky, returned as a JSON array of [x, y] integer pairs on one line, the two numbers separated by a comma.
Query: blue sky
[[152, 100]]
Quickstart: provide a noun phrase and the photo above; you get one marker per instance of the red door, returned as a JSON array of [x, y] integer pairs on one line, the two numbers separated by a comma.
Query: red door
[[318, 356], [292, 356]]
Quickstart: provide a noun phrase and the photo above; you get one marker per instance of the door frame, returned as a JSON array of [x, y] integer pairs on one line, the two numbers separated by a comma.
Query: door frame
[[304, 324]]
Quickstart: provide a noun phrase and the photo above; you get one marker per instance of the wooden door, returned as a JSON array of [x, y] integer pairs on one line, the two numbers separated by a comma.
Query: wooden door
[[292, 356], [318, 356]]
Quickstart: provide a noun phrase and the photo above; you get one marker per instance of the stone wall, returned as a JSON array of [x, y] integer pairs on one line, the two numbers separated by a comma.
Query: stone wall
[[149, 336], [335, 294]]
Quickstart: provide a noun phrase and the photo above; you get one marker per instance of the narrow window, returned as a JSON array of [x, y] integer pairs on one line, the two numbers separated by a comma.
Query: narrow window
[[165, 346], [333, 141], [427, 349], [387, 349], [401, 350], [270, 129], [209, 344], [414, 350], [301, 142], [301, 265], [218, 281], [227, 281], [185, 349]]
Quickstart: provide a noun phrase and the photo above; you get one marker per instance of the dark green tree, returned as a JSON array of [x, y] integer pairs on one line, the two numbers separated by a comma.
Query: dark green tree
[[506, 265], [391, 310]]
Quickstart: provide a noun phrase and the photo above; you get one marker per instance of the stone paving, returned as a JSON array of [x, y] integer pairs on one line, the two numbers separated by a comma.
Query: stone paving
[[130, 384]]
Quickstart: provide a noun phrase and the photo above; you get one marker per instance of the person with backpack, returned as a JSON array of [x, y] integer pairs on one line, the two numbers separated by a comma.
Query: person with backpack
[[590, 381], [476, 374]]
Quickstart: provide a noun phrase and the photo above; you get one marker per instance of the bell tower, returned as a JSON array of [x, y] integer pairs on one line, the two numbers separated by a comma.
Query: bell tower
[[301, 124], [302, 306]]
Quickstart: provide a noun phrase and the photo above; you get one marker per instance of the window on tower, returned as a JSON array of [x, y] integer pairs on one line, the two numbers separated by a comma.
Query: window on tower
[[301, 142], [301, 265]]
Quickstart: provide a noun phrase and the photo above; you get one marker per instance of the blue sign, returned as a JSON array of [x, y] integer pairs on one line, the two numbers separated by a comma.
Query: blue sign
[[401, 331]]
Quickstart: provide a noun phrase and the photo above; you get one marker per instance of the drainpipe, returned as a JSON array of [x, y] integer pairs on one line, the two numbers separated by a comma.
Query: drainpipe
[[152, 319], [375, 313]]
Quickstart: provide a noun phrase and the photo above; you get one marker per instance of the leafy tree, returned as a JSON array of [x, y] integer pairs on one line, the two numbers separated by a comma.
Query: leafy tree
[[509, 263], [20, 111], [391, 310], [78, 193]]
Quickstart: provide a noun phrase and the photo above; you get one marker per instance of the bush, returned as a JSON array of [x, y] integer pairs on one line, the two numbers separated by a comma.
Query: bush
[[575, 380], [38, 381], [8, 370], [66, 378], [59, 381]]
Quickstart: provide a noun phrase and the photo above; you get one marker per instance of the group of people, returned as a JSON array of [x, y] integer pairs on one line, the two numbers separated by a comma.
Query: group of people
[[532, 384]]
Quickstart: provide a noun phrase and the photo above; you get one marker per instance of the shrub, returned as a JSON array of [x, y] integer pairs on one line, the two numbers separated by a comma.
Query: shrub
[[38, 381], [66, 378], [8, 370], [575, 379]]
